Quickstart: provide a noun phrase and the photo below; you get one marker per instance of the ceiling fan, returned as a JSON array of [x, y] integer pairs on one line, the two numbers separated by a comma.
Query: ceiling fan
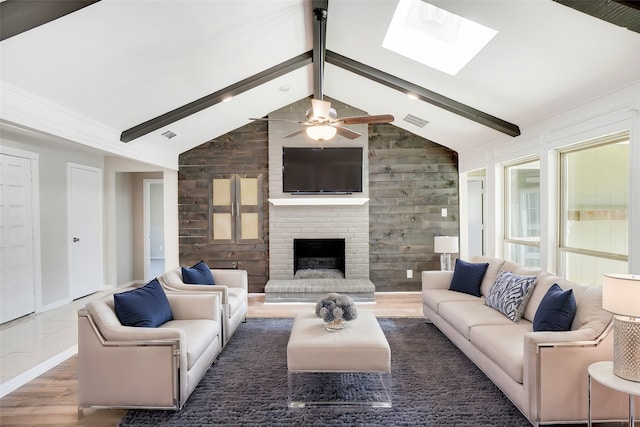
[[322, 121]]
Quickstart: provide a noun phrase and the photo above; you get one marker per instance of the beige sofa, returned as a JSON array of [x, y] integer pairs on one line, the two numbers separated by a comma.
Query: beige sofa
[[544, 374], [144, 367], [232, 287]]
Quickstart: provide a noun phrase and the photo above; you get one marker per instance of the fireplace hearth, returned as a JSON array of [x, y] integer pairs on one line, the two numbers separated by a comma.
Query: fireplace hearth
[[319, 267]]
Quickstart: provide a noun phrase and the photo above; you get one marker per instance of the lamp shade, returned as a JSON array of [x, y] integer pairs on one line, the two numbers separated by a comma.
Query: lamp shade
[[445, 244], [321, 132], [621, 294]]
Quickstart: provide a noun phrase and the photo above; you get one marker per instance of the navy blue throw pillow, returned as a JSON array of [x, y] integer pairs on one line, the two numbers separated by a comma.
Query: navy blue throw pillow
[[556, 310], [467, 277], [146, 306], [199, 274]]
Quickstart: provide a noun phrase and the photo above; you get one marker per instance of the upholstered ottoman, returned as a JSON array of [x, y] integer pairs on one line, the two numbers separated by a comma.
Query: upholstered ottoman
[[350, 366]]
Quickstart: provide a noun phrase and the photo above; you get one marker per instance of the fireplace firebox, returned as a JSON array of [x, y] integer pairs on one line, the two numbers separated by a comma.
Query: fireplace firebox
[[318, 254]]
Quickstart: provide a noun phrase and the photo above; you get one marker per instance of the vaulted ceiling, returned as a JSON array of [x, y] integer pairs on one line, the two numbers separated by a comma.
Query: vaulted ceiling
[[124, 63]]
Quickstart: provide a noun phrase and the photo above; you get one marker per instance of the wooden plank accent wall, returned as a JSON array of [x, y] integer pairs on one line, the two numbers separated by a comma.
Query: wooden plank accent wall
[[242, 151], [410, 180]]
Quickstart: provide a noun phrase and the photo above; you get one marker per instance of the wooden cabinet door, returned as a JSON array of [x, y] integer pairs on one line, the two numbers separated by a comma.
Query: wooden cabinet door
[[236, 208]]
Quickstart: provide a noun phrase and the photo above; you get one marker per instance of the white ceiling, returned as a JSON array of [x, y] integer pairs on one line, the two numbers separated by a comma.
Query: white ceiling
[[121, 63]]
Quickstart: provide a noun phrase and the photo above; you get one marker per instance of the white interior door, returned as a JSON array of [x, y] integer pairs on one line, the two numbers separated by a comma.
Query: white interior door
[[85, 230], [17, 257], [153, 228]]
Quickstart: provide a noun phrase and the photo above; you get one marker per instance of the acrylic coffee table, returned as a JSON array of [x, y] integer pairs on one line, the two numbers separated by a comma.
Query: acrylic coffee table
[[348, 367]]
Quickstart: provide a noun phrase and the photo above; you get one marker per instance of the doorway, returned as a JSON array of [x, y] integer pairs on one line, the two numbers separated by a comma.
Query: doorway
[[476, 197], [19, 239], [154, 263], [84, 201]]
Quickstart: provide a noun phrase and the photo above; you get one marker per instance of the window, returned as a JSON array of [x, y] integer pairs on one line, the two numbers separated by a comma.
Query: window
[[435, 37], [522, 213], [594, 228]]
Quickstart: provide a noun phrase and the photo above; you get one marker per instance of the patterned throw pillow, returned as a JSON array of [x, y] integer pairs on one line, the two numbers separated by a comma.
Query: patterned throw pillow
[[510, 294]]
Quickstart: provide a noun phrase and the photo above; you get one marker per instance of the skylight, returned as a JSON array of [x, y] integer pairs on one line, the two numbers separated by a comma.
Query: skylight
[[435, 37]]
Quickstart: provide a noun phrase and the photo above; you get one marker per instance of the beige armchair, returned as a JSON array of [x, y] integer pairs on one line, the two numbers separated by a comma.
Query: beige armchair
[[137, 367], [231, 285]]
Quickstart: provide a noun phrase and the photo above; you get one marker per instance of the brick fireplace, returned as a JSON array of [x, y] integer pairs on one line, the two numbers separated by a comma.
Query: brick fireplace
[[291, 217], [288, 223]]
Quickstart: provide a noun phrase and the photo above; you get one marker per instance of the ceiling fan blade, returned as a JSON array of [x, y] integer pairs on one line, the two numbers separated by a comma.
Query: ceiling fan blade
[[280, 120], [321, 109], [347, 133], [379, 119], [298, 132]]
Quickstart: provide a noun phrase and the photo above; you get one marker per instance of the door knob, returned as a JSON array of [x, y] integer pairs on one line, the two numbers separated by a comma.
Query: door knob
[[75, 239]]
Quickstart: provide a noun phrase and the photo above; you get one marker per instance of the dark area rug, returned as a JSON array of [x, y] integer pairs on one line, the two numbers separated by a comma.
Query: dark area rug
[[433, 384]]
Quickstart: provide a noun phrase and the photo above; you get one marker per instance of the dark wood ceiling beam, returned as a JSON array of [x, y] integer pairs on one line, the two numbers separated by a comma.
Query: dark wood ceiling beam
[[18, 16], [623, 13], [319, 45], [422, 94], [217, 97]]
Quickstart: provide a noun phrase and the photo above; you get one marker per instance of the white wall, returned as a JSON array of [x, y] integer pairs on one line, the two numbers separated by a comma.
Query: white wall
[[32, 112], [119, 211], [618, 111], [124, 224], [53, 205]]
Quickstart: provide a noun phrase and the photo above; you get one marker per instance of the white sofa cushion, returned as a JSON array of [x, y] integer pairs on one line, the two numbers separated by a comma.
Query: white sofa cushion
[[237, 297], [437, 296], [199, 334], [504, 344], [463, 315], [589, 312], [543, 283], [495, 264], [518, 269]]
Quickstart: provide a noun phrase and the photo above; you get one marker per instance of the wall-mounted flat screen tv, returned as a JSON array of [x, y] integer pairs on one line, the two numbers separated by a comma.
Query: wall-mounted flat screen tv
[[329, 170]]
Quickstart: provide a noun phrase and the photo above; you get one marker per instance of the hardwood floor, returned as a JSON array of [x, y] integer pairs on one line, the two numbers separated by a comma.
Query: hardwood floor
[[51, 399]]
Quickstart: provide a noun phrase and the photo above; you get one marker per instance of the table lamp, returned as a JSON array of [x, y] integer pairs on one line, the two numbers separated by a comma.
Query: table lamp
[[445, 246], [621, 296]]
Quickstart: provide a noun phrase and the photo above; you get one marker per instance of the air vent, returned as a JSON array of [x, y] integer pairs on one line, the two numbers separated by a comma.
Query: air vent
[[415, 120], [168, 134]]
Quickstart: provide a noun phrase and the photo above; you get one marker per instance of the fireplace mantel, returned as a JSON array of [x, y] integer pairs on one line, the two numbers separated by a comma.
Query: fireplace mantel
[[319, 201]]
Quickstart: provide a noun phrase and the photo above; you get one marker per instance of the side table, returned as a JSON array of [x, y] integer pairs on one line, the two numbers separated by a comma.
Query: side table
[[602, 372]]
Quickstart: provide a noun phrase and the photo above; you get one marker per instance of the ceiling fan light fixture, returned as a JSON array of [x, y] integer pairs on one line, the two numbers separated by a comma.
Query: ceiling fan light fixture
[[321, 132]]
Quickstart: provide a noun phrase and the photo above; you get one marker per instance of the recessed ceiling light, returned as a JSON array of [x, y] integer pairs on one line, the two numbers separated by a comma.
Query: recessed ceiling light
[[285, 87], [435, 37], [227, 98], [412, 96]]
